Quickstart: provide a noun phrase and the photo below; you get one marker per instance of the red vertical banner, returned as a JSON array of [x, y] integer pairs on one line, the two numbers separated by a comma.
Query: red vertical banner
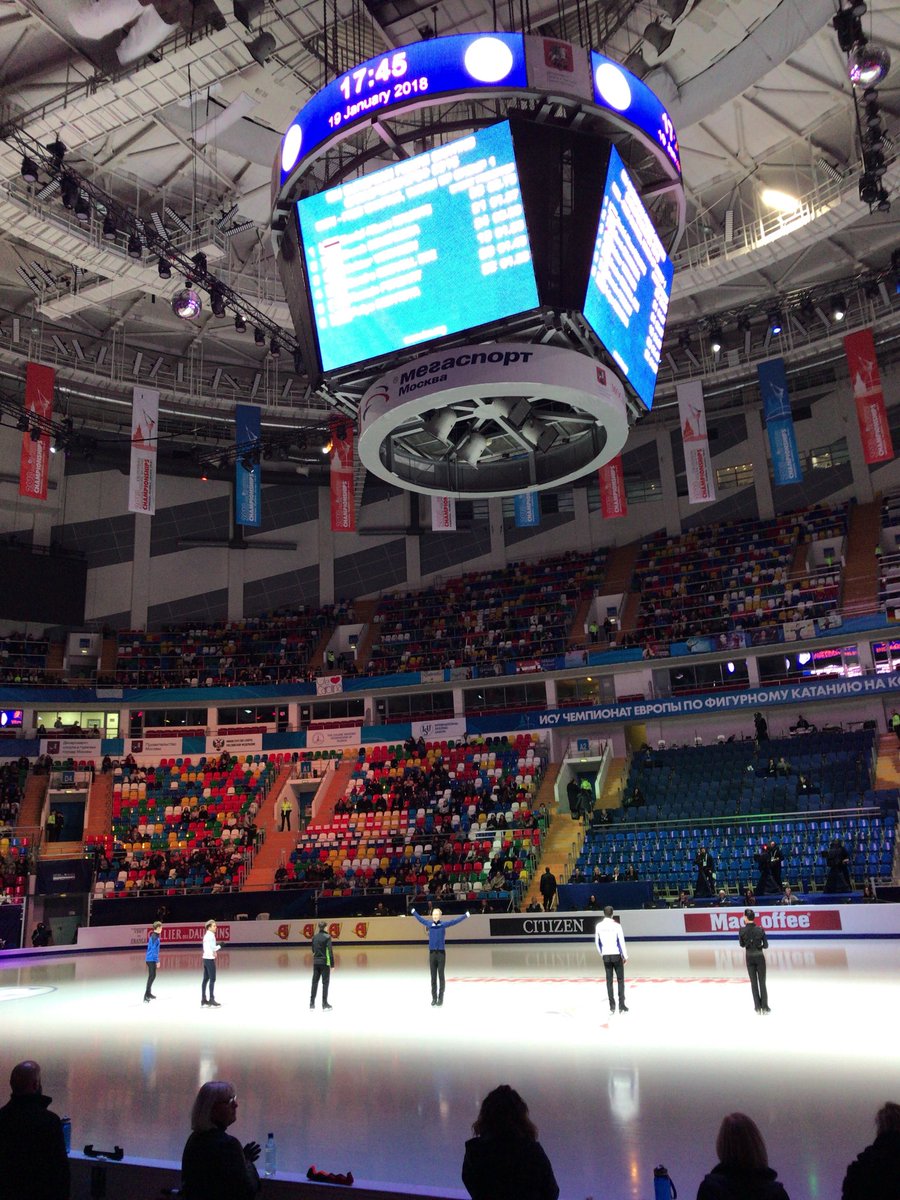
[[865, 379], [343, 514], [612, 489], [34, 467]]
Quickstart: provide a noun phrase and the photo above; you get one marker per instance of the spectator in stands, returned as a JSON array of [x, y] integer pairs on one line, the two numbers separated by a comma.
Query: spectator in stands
[[766, 885], [868, 893], [838, 862], [547, 888], [754, 943], [895, 723], [748, 896], [801, 725], [534, 907], [214, 1164], [783, 767], [776, 862], [42, 935], [610, 942], [286, 809], [577, 876], [761, 727], [803, 788], [706, 873], [504, 1160], [722, 897], [788, 896], [573, 795], [594, 632], [743, 1171], [683, 901], [874, 1173], [33, 1161], [609, 629], [771, 768]]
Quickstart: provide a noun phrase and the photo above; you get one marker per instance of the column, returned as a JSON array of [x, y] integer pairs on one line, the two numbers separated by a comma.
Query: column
[[758, 445], [140, 571]]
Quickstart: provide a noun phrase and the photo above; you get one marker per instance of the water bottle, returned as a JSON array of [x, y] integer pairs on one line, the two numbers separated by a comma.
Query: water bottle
[[270, 1161], [663, 1187], [66, 1123]]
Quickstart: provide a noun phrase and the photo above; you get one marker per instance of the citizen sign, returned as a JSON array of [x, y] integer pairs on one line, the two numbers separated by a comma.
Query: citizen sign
[[779, 920], [539, 925]]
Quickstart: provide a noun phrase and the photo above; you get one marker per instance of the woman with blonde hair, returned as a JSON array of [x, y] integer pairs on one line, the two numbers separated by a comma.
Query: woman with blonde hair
[[743, 1171], [214, 1165], [504, 1160]]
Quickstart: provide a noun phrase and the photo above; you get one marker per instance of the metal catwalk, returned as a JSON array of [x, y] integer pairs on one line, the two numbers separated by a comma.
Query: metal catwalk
[[387, 1086]]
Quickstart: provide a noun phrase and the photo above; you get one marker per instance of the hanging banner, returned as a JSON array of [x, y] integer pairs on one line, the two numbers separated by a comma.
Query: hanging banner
[[692, 416], [865, 379], [34, 465], [247, 468], [443, 514], [773, 387], [528, 509], [343, 514], [612, 489], [144, 419]]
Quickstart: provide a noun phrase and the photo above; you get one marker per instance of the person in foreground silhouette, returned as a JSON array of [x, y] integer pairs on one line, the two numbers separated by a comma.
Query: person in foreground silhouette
[[875, 1173], [743, 1171], [214, 1165], [504, 1160]]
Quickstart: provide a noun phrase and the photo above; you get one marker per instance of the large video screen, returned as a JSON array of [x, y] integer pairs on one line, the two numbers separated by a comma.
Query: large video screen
[[630, 282], [430, 246]]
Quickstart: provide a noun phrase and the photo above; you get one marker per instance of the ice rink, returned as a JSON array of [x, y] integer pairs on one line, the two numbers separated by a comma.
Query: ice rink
[[388, 1087]]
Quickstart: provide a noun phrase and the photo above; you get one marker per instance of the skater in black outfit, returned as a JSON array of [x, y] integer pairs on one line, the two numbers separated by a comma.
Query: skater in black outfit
[[754, 942], [323, 961]]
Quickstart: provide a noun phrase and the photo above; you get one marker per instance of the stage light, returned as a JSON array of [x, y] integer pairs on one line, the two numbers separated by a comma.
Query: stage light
[[847, 24], [782, 202], [29, 169], [57, 150], [868, 189], [240, 325], [472, 448], [440, 423], [838, 307], [743, 323], [246, 11], [22, 423], [262, 47], [715, 338], [274, 348], [259, 337], [70, 191], [775, 325], [82, 208], [187, 304], [658, 36], [217, 302], [164, 267], [135, 246], [34, 433], [110, 229], [868, 65], [199, 260], [636, 64], [884, 200]]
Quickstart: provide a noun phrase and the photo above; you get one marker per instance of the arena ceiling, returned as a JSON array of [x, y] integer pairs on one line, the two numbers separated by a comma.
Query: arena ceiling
[[164, 107]]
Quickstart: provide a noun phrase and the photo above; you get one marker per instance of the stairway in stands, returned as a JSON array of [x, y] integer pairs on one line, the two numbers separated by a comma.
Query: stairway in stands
[[563, 839], [364, 613], [860, 577], [619, 574]]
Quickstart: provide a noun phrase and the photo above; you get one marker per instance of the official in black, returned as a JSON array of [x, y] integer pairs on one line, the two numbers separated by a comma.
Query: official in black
[[755, 943], [706, 873], [323, 961]]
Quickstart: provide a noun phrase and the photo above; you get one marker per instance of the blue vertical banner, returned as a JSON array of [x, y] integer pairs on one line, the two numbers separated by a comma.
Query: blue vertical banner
[[247, 469], [527, 509], [773, 387]]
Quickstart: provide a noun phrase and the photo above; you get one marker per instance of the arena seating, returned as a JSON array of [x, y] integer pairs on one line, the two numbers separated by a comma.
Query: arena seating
[[160, 840], [23, 659], [14, 866], [525, 610], [736, 576], [416, 818], [275, 647]]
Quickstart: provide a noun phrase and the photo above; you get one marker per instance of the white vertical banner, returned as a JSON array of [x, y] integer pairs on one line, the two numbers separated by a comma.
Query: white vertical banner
[[443, 514], [692, 415], [142, 480]]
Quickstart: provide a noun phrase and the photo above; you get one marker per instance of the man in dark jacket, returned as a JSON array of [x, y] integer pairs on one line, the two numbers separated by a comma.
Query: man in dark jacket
[[706, 873], [32, 1149], [323, 961], [873, 1174], [754, 943], [547, 887]]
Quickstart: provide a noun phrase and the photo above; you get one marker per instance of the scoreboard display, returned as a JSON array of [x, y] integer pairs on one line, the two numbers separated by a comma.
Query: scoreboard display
[[430, 246], [630, 282]]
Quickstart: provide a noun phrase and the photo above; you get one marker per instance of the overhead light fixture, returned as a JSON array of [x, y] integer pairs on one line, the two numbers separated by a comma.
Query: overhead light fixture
[[164, 267], [29, 170], [110, 229], [200, 262], [274, 348], [135, 246], [743, 323], [868, 189], [868, 65], [262, 47], [715, 338], [807, 306], [22, 423], [775, 325], [782, 202], [838, 307], [187, 304], [57, 150], [259, 336], [240, 324], [658, 36], [246, 11], [217, 302], [472, 448], [82, 208], [35, 433], [636, 64], [70, 191], [847, 24], [440, 423]]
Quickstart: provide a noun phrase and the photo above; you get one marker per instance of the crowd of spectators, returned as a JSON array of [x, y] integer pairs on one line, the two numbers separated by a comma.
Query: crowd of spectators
[[12, 786]]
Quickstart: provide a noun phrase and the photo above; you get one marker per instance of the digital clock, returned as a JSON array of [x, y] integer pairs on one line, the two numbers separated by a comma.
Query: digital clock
[[462, 63]]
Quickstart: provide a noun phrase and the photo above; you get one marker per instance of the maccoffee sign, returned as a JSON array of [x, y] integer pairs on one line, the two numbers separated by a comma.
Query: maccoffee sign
[[776, 920]]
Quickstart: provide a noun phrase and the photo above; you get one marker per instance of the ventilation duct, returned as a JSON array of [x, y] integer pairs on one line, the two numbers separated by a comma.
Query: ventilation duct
[[148, 32], [95, 19], [225, 118]]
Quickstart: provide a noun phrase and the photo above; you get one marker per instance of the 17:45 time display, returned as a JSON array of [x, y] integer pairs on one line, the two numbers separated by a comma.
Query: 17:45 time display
[[357, 83]]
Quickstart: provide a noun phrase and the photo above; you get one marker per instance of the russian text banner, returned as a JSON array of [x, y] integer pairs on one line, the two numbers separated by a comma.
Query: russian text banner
[[34, 466], [692, 417]]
